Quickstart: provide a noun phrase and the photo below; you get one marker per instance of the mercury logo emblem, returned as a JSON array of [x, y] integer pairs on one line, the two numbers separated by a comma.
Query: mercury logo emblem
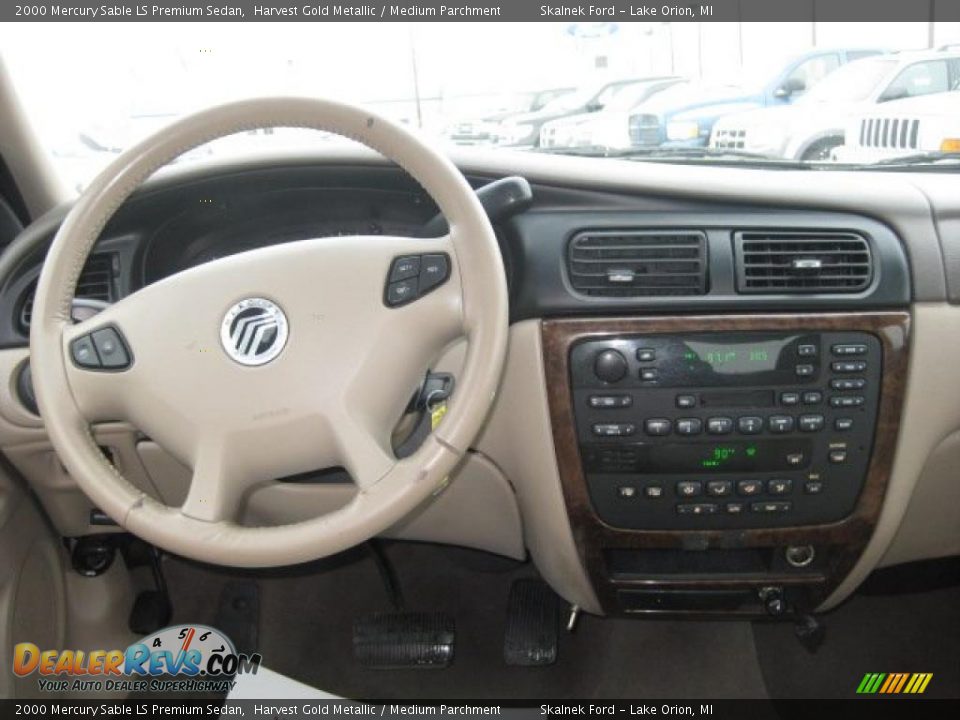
[[254, 331]]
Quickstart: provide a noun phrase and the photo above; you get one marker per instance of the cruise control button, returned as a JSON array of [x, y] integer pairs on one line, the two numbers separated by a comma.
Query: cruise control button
[[690, 488], [83, 352], [657, 426], [719, 425], [402, 292], [404, 268], [434, 270], [719, 488], [749, 487], [780, 423], [689, 426], [110, 348], [811, 423], [750, 425], [780, 487], [843, 424]]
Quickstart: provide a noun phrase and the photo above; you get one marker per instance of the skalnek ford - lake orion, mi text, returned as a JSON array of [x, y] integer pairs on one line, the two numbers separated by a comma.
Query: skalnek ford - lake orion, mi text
[[645, 11]]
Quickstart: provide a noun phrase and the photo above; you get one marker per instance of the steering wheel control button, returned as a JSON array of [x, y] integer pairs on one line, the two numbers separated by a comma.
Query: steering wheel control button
[[610, 366], [413, 276], [434, 270], [402, 292], [83, 352], [110, 348], [254, 331], [404, 268]]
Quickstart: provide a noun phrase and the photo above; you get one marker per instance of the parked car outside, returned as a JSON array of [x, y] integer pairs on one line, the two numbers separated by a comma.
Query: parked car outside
[[524, 130], [927, 124], [684, 117], [480, 130], [815, 125], [608, 128]]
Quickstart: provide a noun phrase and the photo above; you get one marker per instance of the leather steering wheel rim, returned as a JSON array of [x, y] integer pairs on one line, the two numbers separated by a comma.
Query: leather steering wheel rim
[[264, 420]]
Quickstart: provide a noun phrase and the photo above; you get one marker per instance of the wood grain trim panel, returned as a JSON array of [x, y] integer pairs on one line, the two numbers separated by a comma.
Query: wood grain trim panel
[[845, 539]]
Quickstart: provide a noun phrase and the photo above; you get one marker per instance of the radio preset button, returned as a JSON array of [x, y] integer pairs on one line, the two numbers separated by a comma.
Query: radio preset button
[[789, 398], [848, 366], [657, 426], [719, 425], [689, 488], [614, 429], [689, 426], [749, 487], [811, 423], [719, 488], [804, 370], [848, 383], [843, 424], [846, 401], [750, 425], [610, 366], [696, 508], [779, 487], [806, 350], [610, 401], [849, 349], [646, 354], [686, 401], [781, 423]]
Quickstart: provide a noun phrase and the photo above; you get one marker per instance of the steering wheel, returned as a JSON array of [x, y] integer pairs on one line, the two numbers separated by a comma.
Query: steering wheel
[[276, 361]]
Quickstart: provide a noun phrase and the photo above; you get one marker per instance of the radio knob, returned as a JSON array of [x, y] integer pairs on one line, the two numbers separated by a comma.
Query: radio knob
[[610, 366]]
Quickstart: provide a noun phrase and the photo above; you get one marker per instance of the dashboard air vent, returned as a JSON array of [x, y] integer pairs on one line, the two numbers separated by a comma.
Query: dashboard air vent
[[638, 263], [802, 262], [95, 283]]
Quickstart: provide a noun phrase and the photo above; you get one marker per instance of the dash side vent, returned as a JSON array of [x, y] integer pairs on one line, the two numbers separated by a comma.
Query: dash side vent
[[96, 282], [802, 262], [638, 263]]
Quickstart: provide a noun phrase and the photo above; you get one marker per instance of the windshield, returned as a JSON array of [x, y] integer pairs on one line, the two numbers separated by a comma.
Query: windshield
[[852, 83], [116, 84]]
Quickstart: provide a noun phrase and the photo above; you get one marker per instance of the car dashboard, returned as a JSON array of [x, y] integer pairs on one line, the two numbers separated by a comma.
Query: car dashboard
[[717, 396]]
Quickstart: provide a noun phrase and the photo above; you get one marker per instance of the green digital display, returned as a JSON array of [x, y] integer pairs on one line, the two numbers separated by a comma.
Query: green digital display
[[733, 358], [719, 456]]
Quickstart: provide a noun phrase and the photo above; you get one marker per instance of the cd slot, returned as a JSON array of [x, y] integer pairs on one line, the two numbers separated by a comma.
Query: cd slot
[[738, 398]]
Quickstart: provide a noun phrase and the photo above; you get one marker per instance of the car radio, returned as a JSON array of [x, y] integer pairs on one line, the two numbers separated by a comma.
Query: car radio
[[725, 430]]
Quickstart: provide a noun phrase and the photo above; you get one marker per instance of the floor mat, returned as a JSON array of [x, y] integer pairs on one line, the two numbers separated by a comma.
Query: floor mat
[[902, 620], [307, 614]]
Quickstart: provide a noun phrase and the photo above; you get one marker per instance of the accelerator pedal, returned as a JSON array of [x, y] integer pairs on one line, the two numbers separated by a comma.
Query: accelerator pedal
[[533, 619], [404, 640]]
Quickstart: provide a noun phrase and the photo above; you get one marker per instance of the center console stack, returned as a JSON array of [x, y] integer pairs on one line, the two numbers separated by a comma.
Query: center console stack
[[720, 464]]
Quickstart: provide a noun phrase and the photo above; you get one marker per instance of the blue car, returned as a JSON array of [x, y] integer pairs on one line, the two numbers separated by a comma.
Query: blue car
[[683, 116]]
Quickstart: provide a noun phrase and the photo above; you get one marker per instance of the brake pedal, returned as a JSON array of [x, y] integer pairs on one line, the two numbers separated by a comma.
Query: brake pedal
[[393, 641], [533, 618]]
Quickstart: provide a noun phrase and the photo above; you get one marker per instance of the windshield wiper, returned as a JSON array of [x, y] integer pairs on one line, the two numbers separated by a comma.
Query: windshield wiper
[[673, 154], [932, 157]]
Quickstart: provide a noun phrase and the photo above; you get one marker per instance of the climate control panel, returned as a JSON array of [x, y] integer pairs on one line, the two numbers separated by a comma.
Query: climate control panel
[[726, 430]]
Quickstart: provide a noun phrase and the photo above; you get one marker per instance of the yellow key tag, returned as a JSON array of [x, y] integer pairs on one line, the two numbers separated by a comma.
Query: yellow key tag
[[436, 415]]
